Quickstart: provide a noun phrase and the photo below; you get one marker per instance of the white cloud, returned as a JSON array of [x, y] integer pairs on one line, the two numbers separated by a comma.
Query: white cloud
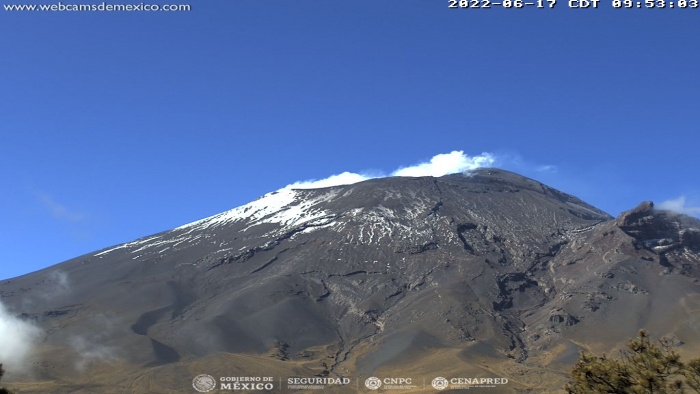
[[60, 211], [547, 168], [679, 205], [17, 340], [439, 165], [346, 178], [56, 286], [89, 351], [447, 163]]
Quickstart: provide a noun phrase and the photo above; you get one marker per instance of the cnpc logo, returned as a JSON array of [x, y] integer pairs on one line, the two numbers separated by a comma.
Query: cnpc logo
[[375, 383]]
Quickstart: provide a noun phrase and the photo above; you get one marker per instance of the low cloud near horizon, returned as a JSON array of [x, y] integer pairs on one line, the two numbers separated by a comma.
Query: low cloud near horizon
[[439, 165], [680, 205], [17, 339]]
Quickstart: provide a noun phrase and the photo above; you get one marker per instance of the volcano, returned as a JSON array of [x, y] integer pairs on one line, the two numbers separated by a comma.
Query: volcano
[[486, 274]]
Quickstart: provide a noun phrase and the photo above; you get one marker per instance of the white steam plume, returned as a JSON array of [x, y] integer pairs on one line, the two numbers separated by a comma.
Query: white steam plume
[[346, 178], [17, 340], [447, 163], [58, 285], [51, 291], [89, 351], [680, 205], [439, 165]]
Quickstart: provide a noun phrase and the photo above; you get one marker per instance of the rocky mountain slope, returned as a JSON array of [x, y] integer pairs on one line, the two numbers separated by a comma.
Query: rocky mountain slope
[[490, 274]]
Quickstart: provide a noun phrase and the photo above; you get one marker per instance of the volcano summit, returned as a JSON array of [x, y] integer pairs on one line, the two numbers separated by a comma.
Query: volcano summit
[[488, 274]]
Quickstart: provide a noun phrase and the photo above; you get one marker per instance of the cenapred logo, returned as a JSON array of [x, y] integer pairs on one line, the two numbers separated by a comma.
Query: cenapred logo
[[373, 383], [204, 383], [440, 383]]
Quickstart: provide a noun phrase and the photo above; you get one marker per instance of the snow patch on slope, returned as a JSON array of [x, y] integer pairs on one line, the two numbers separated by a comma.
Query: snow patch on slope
[[133, 243], [287, 208], [269, 204]]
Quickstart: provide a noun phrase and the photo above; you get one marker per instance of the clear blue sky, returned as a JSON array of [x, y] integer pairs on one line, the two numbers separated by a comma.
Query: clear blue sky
[[115, 126]]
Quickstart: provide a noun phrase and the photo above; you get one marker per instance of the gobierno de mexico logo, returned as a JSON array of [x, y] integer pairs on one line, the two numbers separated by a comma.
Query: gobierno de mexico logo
[[204, 383]]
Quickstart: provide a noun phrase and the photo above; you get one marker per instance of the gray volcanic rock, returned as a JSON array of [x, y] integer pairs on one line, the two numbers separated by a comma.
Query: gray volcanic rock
[[355, 279], [660, 230]]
